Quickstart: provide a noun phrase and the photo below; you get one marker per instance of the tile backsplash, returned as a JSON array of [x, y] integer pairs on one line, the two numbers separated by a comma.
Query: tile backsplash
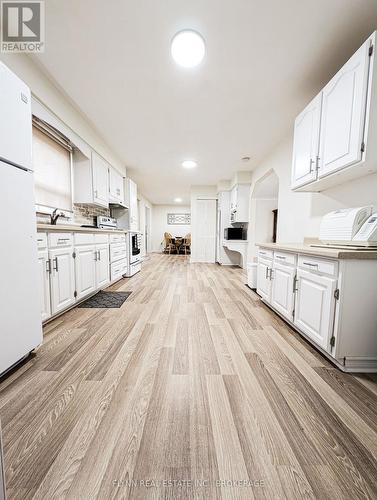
[[82, 214], [86, 214]]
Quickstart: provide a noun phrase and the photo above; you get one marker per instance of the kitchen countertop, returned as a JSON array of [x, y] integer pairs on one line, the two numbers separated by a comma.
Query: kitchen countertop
[[332, 253], [72, 228]]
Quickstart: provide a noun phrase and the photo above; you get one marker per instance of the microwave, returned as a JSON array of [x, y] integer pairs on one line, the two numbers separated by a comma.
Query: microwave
[[234, 233]]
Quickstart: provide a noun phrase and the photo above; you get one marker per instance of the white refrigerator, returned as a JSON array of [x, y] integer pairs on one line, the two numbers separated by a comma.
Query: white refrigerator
[[20, 316]]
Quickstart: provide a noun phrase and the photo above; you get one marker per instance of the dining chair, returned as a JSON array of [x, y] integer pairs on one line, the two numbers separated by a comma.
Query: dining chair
[[186, 245], [169, 245]]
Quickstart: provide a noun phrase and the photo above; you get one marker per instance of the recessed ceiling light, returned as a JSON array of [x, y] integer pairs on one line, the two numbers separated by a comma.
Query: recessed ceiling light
[[178, 200], [189, 164], [188, 48]]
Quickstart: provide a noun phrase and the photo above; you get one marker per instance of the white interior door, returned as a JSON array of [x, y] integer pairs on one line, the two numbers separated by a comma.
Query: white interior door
[[85, 267], [102, 266], [306, 144], [343, 114], [100, 180], [44, 284], [206, 230], [282, 297], [62, 279], [263, 280], [315, 302]]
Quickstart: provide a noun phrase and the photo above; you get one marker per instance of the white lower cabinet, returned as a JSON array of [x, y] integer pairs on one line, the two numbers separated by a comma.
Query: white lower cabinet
[[315, 304], [263, 278], [62, 279], [44, 267], [85, 269], [282, 297], [102, 265]]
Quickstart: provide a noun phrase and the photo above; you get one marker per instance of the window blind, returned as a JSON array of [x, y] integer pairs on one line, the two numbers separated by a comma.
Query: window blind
[[52, 168]]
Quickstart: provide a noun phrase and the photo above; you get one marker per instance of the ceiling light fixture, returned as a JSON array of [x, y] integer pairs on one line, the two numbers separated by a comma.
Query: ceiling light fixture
[[188, 48], [178, 200], [189, 164]]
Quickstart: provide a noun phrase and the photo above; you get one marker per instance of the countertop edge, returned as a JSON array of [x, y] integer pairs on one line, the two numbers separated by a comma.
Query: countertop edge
[[79, 229], [331, 253]]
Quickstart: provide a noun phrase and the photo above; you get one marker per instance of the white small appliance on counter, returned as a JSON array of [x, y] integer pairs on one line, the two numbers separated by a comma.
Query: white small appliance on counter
[[104, 222], [349, 227], [20, 308]]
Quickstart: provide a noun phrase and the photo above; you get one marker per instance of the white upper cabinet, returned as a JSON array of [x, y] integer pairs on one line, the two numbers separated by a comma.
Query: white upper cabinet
[[116, 188], [239, 203], [131, 203], [91, 179], [335, 137], [306, 144], [343, 114], [100, 170]]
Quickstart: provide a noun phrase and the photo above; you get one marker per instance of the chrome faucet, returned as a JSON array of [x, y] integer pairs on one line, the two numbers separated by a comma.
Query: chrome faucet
[[55, 216]]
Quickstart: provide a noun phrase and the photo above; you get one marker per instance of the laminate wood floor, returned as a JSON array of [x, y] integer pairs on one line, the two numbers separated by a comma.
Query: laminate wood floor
[[192, 389]]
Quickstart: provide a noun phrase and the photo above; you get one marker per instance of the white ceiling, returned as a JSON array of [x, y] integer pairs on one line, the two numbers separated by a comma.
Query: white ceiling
[[264, 60]]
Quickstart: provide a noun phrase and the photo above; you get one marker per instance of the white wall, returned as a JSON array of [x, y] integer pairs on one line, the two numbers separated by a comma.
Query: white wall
[[160, 225], [300, 213], [43, 88]]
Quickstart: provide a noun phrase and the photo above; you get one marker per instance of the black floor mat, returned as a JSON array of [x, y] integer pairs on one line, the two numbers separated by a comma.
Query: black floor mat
[[106, 300]]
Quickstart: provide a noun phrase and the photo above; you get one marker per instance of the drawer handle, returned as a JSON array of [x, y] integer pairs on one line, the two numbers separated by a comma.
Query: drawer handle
[[280, 257], [63, 239], [310, 264]]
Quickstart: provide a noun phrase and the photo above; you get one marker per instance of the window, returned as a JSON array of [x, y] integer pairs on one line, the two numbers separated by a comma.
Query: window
[[52, 168]]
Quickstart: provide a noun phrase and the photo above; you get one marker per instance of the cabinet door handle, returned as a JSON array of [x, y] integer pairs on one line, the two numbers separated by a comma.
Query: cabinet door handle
[[311, 164], [48, 266], [266, 273], [317, 163], [95, 255], [99, 255], [295, 282], [56, 267], [271, 274]]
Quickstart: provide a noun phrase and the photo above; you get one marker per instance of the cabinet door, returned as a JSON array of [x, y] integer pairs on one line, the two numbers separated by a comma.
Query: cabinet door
[[116, 187], [85, 267], [263, 279], [306, 144], [343, 114], [315, 303], [134, 218], [282, 296], [102, 266], [44, 284], [100, 170], [62, 279]]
